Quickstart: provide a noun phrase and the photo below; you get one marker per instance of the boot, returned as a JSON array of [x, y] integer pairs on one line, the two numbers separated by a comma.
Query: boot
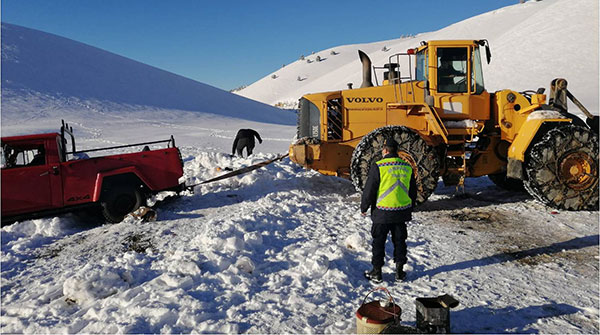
[[400, 274], [374, 275]]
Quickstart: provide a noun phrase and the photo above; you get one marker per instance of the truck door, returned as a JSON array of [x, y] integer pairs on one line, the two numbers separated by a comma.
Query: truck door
[[26, 178]]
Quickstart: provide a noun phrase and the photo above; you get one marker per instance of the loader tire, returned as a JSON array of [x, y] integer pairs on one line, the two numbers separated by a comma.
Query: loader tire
[[506, 183], [411, 147], [562, 169], [120, 201]]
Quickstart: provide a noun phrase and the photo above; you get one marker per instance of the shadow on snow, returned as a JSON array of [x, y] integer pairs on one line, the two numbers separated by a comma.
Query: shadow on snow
[[506, 320], [573, 244]]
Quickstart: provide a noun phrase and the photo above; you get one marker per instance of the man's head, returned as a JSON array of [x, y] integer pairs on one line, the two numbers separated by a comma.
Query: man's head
[[390, 146]]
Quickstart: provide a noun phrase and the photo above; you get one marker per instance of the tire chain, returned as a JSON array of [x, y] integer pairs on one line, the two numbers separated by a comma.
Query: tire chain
[[368, 151], [542, 161]]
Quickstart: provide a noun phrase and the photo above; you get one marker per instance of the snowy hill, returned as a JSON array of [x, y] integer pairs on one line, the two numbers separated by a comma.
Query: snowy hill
[[531, 44], [52, 65], [283, 249]]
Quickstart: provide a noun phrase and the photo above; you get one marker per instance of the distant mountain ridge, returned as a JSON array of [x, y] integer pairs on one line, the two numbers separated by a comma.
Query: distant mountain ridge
[[50, 64], [531, 43]]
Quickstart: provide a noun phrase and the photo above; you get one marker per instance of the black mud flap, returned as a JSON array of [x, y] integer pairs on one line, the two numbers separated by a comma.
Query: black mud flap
[[514, 169]]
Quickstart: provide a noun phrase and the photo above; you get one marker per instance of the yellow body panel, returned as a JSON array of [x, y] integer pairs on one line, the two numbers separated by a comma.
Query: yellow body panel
[[511, 116], [490, 161], [527, 132]]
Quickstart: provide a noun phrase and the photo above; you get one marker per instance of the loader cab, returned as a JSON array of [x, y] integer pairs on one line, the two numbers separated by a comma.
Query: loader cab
[[454, 76]]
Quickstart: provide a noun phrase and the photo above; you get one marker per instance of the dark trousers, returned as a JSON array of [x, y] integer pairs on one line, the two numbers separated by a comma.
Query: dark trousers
[[245, 143], [379, 232]]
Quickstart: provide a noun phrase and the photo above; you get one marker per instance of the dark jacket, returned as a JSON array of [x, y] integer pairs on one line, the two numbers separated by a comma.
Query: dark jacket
[[245, 137], [369, 198]]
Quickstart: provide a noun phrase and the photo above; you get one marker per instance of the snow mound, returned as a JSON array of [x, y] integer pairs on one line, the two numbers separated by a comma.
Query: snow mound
[[92, 282], [245, 264], [355, 242]]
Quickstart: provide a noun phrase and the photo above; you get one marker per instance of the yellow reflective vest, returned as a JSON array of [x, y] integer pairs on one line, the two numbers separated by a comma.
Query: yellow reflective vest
[[394, 184]]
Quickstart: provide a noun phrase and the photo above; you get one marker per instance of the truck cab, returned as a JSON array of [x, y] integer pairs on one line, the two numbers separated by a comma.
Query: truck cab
[[31, 178], [44, 174]]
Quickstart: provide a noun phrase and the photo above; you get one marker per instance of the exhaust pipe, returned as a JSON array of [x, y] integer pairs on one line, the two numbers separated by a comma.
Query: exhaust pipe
[[366, 69]]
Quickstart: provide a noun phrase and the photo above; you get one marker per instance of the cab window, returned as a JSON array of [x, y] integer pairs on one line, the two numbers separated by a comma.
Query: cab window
[[477, 74], [21, 155], [421, 72], [452, 70]]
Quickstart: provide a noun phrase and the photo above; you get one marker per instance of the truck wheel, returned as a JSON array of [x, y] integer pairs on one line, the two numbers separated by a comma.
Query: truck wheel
[[506, 183], [562, 169], [119, 202], [411, 147]]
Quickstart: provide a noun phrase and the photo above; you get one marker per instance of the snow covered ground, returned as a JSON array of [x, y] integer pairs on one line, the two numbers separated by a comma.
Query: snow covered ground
[[282, 249]]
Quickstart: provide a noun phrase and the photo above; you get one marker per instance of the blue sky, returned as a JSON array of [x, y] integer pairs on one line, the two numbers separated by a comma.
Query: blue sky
[[232, 43]]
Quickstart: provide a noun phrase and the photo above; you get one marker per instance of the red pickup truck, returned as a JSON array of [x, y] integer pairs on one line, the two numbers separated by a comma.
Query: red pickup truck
[[41, 177]]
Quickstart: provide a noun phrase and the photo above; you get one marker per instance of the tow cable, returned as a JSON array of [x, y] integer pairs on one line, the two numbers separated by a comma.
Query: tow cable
[[238, 171]]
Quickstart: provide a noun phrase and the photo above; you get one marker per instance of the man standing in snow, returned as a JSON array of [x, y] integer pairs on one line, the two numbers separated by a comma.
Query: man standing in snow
[[245, 139], [390, 192]]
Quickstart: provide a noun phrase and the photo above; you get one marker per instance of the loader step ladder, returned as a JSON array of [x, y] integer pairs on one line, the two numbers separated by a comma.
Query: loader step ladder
[[461, 171], [465, 138]]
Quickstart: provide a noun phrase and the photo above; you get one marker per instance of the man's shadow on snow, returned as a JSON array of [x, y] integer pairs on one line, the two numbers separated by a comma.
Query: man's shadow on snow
[[482, 319], [574, 244]]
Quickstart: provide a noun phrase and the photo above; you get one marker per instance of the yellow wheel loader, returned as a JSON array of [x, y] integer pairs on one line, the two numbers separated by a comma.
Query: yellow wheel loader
[[433, 102]]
